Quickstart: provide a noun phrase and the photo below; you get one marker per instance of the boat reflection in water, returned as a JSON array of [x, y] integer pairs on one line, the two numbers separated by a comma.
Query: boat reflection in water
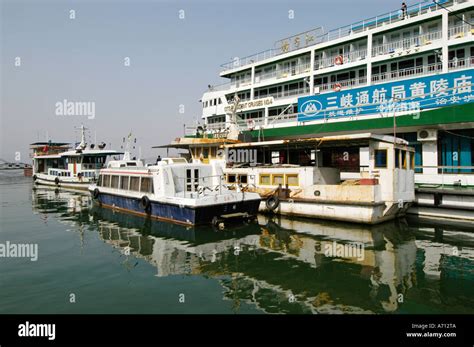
[[284, 265]]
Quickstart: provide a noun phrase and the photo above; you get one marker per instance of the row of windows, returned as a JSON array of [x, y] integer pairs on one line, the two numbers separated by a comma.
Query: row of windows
[[265, 179], [402, 158], [60, 173], [212, 102], [237, 178], [276, 179], [137, 184]]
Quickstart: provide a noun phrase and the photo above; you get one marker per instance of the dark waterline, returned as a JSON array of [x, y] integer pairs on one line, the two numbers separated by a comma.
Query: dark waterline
[[277, 265]]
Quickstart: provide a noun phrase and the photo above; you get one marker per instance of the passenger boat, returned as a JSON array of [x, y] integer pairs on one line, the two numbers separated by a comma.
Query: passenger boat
[[173, 190], [56, 164]]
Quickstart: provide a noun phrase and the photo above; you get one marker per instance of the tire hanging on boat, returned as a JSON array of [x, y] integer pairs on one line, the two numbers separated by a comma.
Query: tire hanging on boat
[[272, 202], [34, 177], [96, 193], [56, 180], [145, 203]]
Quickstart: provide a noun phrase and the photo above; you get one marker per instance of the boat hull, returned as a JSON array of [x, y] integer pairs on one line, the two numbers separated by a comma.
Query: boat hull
[[187, 215], [71, 184], [365, 213]]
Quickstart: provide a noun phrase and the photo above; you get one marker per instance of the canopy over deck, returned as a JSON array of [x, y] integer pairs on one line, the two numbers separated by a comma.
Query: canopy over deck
[[325, 141]]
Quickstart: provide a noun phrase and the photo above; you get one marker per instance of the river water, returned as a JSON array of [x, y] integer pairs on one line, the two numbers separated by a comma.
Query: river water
[[94, 260]]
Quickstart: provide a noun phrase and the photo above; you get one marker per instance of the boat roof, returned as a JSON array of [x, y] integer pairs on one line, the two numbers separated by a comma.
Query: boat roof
[[89, 152], [330, 140], [185, 142], [47, 143]]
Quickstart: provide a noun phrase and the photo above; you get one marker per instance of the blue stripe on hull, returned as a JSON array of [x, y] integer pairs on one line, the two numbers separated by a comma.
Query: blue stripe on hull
[[187, 215], [160, 210]]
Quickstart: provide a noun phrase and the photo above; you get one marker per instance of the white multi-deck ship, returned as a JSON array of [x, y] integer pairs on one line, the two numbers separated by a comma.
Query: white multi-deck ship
[[407, 74]]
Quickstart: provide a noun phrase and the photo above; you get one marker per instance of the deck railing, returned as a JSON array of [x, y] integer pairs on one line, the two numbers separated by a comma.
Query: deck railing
[[283, 73], [285, 93], [346, 58], [354, 82], [456, 64], [460, 31], [416, 41], [403, 73]]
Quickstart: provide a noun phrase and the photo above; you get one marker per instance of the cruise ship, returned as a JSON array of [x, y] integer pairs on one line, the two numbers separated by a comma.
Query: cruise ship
[[403, 73]]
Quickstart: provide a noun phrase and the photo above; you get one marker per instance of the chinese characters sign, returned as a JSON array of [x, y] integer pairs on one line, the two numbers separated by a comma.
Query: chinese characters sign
[[415, 94]]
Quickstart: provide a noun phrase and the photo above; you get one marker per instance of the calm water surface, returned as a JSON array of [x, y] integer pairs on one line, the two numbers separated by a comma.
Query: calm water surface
[[277, 265]]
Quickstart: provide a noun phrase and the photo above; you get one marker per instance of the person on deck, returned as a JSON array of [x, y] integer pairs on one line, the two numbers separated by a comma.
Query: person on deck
[[158, 159], [404, 10]]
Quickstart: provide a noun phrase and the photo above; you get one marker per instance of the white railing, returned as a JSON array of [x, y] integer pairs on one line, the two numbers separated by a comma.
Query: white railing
[[346, 58], [417, 41], [354, 82], [215, 126], [370, 23], [403, 73], [455, 64], [284, 94], [219, 87], [460, 31], [283, 73]]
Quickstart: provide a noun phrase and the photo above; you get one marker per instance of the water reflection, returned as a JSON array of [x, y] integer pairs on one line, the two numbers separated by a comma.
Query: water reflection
[[281, 265]]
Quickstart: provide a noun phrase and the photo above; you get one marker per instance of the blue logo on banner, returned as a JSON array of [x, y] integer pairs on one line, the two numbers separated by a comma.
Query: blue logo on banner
[[408, 96]]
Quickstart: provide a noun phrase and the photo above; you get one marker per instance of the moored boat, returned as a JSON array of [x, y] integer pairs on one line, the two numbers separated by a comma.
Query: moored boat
[[173, 190], [56, 164]]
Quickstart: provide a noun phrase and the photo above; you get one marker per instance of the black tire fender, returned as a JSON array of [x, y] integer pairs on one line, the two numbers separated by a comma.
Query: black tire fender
[[56, 180], [145, 203], [272, 202], [96, 193]]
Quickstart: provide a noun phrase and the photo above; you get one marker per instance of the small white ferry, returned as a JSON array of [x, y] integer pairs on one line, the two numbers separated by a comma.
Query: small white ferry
[[173, 190], [56, 164]]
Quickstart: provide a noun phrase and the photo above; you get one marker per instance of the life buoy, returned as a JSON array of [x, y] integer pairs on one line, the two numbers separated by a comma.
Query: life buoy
[[272, 203], [339, 60], [145, 203], [250, 123], [337, 87], [96, 193], [56, 180]]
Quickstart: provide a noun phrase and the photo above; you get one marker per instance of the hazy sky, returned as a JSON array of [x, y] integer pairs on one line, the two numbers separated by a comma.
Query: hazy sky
[[172, 60]]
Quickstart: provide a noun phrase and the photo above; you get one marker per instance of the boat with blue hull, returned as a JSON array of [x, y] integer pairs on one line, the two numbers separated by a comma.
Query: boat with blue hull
[[173, 190]]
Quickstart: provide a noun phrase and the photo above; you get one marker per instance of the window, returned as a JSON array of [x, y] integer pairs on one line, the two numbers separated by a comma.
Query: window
[[264, 179], [134, 183], [243, 179], [231, 178], [146, 185], [115, 182], [106, 181], [99, 181], [278, 179], [404, 160], [412, 160], [380, 158], [397, 158], [124, 182], [292, 179]]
